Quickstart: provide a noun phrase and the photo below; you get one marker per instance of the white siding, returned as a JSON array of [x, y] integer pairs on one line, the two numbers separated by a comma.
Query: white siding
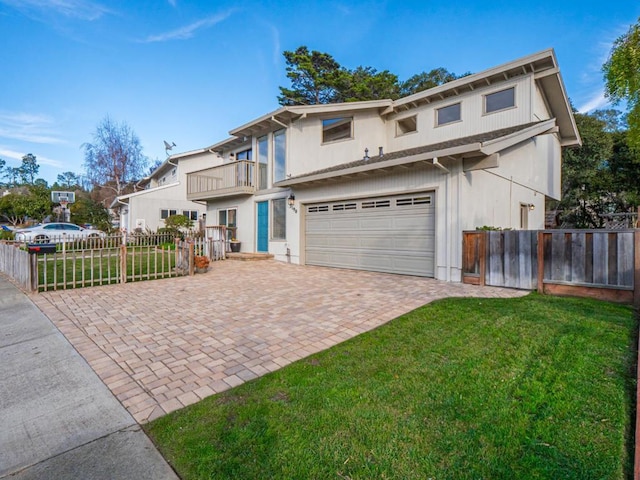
[[474, 120], [540, 110], [305, 150]]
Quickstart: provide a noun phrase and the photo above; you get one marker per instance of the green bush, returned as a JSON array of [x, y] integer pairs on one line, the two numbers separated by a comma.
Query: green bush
[[6, 235]]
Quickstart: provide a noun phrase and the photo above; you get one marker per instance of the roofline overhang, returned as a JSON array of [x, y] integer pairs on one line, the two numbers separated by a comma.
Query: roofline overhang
[[420, 157], [120, 198], [284, 115]]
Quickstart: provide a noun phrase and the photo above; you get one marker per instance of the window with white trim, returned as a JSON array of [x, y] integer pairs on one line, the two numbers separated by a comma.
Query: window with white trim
[[406, 125], [166, 213], [279, 216], [448, 114], [279, 155], [334, 129], [191, 214], [502, 100]]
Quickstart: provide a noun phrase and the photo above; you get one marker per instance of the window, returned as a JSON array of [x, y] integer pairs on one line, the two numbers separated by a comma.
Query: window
[[501, 100], [524, 216], [244, 155], [334, 129], [406, 125], [263, 158], [279, 155], [448, 114], [227, 217], [190, 214], [167, 213], [279, 215]]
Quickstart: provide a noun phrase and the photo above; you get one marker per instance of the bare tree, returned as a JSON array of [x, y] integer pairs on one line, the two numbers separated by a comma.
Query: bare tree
[[114, 159]]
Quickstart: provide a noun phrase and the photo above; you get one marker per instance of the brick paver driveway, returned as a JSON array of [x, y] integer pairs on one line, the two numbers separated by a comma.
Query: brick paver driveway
[[164, 344]]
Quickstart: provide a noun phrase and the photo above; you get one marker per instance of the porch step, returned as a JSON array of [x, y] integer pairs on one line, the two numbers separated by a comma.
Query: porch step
[[248, 256]]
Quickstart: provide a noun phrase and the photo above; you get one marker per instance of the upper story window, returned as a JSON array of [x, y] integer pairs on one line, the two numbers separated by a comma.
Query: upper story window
[[279, 155], [449, 114], [406, 125], [334, 129], [501, 100], [245, 155], [263, 158]]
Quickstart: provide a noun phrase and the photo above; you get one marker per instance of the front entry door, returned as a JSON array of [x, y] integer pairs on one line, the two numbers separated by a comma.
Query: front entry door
[[263, 227]]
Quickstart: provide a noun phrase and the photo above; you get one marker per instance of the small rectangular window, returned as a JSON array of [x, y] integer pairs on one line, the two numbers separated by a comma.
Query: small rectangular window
[[319, 208], [406, 125], [501, 100], [279, 224], [164, 214], [448, 114], [334, 129], [244, 155], [190, 214]]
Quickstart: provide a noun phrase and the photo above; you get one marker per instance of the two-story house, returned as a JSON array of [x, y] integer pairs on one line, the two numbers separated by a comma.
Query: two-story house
[[164, 193], [389, 185]]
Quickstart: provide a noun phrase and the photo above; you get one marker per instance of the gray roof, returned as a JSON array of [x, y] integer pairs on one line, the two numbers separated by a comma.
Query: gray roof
[[434, 147]]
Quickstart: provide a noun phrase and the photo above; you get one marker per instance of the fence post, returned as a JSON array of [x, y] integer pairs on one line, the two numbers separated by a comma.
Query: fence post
[[540, 261], [123, 258], [482, 257], [636, 268], [191, 258], [33, 272]]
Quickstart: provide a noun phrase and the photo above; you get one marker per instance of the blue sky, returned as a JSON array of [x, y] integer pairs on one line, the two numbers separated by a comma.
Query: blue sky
[[188, 72]]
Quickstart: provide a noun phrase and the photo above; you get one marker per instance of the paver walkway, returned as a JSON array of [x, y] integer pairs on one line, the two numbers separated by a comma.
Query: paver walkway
[[161, 345]]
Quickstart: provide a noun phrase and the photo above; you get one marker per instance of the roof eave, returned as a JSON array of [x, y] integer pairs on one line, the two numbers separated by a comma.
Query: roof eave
[[421, 157]]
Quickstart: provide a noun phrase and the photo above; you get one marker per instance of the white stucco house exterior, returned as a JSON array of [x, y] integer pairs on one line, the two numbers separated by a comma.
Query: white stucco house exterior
[[164, 194], [389, 185]]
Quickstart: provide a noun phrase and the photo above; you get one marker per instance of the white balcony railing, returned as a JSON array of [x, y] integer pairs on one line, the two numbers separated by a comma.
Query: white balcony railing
[[228, 179]]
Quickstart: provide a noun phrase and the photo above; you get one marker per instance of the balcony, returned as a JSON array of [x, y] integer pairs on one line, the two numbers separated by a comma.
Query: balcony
[[236, 178]]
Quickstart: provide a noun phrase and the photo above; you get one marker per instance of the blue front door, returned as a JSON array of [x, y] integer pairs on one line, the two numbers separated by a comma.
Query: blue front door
[[263, 226]]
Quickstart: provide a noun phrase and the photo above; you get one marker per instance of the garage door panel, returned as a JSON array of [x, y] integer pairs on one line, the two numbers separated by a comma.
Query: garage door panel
[[392, 234]]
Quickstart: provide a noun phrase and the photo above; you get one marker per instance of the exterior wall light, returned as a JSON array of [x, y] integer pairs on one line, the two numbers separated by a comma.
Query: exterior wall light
[[532, 207], [291, 201]]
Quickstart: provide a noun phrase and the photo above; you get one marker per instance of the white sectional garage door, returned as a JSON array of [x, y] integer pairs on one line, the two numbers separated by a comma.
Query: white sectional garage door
[[383, 234]]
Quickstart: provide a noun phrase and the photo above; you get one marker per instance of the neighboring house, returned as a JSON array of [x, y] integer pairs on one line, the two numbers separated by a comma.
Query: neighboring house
[[388, 185], [164, 193]]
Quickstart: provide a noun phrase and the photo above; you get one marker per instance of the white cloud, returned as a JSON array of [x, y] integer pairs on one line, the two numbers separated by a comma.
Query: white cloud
[[6, 153], [172, 3], [81, 9], [189, 31], [27, 127], [596, 102]]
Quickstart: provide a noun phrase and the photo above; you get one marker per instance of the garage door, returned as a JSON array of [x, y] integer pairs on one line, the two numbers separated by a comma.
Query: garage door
[[386, 234]]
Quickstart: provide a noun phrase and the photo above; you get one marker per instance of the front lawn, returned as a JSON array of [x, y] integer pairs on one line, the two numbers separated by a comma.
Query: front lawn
[[536, 387]]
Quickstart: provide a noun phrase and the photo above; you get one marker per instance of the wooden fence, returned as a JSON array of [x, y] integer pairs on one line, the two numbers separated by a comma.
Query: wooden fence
[[601, 264], [15, 262], [119, 258]]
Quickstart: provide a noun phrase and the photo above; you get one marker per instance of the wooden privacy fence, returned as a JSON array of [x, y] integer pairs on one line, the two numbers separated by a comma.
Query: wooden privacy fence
[[15, 262], [601, 264], [119, 258]]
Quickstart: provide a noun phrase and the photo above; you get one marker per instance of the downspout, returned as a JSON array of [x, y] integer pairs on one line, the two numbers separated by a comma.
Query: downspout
[[449, 216]]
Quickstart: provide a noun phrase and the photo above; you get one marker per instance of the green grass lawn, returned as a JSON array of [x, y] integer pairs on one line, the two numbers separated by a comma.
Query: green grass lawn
[[536, 387]]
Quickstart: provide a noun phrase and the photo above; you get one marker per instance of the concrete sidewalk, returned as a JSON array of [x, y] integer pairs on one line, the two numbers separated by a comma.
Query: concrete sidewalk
[[58, 420]]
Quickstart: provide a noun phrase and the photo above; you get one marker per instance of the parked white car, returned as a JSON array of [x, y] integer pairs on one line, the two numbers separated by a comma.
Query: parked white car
[[57, 232]]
